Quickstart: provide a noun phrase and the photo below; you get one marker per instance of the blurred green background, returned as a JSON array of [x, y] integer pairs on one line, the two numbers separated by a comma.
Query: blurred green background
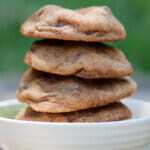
[[134, 14]]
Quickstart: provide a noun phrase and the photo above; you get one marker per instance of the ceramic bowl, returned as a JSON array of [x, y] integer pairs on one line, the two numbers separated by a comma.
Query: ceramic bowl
[[132, 134]]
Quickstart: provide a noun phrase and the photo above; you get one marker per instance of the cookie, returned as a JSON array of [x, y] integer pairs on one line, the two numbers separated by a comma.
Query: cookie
[[87, 24], [46, 92], [111, 112], [86, 60]]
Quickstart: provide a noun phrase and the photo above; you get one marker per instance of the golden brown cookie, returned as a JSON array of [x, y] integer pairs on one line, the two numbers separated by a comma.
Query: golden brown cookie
[[86, 60], [111, 112], [87, 24], [46, 92]]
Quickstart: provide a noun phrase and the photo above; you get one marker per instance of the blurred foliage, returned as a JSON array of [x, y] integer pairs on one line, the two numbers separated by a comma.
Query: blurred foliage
[[134, 14]]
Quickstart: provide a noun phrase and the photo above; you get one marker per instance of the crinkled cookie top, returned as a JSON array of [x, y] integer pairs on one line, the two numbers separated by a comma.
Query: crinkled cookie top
[[86, 24]]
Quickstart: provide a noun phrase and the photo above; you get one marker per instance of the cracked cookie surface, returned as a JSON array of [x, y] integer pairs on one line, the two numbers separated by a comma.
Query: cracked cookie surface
[[46, 92], [85, 60], [86, 24]]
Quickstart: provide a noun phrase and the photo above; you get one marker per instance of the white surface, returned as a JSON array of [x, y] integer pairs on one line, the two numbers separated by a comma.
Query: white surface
[[133, 134]]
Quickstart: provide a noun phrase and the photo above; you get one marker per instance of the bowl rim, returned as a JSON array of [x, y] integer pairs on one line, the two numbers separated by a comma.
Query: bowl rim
[[111, 123]]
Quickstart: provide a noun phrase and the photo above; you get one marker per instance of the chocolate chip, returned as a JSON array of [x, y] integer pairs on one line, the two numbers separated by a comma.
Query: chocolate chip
[[95, 32], [40, 13], [79, 54], [33, 48], [90, 32], [60, 24], [107, 9]]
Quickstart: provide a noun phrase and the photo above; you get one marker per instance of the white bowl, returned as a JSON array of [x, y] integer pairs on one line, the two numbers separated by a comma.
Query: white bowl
[[132, 134]]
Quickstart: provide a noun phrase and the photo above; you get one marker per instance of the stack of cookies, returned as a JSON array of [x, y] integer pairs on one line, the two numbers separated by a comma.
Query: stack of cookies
[[73, 76]]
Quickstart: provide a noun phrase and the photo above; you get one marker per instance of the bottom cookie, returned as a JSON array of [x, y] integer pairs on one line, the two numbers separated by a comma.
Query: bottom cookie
[[112, 112]]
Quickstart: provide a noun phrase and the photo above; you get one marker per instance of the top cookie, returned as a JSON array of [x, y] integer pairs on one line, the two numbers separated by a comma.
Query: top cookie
[[87, 24]]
